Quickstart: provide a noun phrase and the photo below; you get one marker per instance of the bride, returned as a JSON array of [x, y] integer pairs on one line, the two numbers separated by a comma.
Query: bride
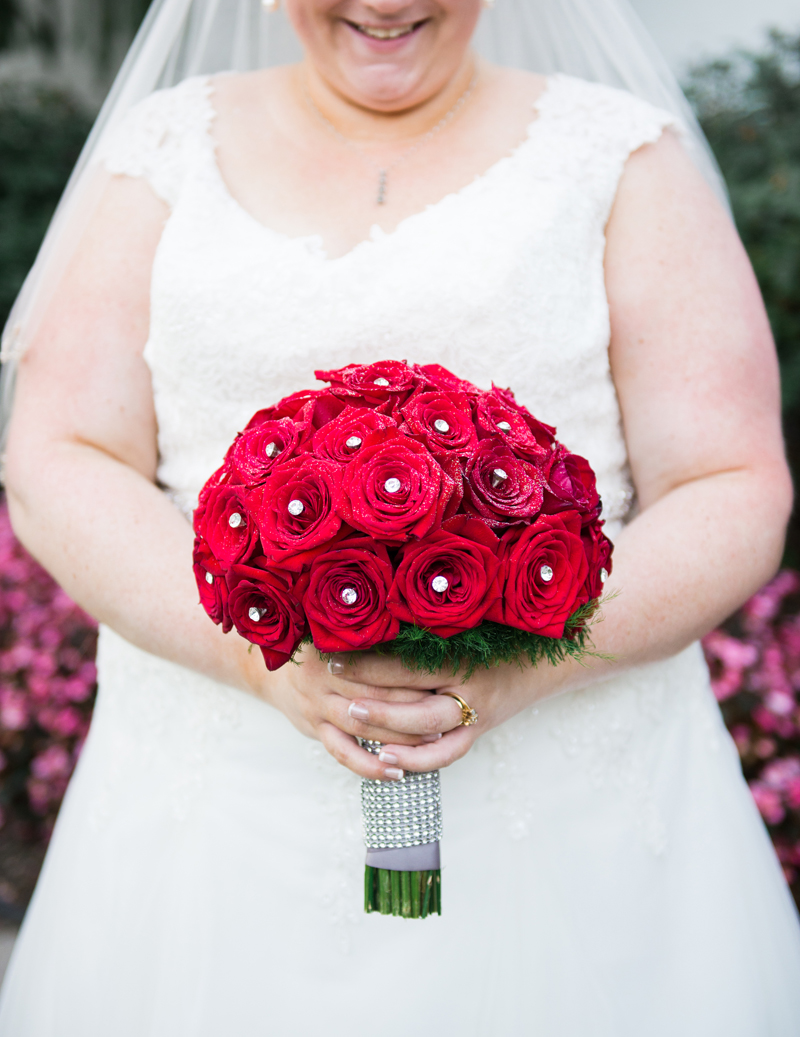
[[392, 195]]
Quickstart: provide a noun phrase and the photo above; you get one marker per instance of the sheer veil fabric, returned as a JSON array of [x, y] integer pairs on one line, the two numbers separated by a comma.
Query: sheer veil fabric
[[598, 40]]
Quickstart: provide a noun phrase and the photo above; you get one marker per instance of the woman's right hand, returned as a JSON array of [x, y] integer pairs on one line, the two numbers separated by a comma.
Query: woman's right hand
[[319, 704]]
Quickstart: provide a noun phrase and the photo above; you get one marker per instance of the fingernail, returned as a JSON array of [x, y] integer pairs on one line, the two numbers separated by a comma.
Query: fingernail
[[385, 757], [393, 773], [431, 738], [335, 667], [357, 711]]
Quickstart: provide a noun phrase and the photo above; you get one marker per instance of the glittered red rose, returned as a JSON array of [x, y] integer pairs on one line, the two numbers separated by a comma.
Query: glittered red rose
[[394, 489], [265, 613], [297, 509], [448, 581], [344, 596], [225, 524], [545, 571]]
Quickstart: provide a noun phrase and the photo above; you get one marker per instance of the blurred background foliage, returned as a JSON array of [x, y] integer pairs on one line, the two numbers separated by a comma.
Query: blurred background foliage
[[99, 30], [41, 134]]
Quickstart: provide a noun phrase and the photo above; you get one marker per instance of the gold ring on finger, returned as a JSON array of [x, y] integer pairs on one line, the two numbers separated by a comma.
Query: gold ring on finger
[[468, 714]]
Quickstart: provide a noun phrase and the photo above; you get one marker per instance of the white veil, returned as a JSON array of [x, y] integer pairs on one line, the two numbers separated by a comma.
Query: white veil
[[600, 40]]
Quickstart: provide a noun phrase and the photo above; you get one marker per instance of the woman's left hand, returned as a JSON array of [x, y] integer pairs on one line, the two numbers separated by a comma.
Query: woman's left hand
[[495, 695]]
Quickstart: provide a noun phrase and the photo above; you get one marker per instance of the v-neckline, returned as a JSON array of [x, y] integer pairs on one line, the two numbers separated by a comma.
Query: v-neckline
[[314, 243]]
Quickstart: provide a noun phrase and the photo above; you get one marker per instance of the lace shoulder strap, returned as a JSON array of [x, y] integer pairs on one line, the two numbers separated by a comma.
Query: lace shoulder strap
[[161, 136], [591, 130]]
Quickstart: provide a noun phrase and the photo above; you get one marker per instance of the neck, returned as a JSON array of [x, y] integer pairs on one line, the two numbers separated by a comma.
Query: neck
[[366, 125]]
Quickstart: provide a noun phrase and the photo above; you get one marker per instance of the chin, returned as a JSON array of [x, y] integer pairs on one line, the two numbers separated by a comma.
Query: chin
[[384, 88]]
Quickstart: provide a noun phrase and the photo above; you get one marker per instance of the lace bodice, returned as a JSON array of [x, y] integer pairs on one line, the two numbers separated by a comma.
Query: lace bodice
[[501, 281]]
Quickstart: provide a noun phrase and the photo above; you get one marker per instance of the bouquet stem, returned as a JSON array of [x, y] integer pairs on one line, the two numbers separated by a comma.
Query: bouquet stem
[[405, 894], [402, 827]]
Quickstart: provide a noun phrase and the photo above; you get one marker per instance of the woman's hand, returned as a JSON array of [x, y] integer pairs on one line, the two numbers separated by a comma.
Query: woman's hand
[[377, 698], [321, 704]]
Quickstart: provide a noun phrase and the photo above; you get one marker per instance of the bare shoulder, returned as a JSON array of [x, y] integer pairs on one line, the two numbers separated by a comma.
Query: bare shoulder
[[663, 194], [512, 89], [239, 93]]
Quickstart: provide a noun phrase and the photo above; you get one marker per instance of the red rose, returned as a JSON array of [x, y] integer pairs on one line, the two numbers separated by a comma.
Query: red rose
[[571, 486], [451, 465], [500, 487], [526, 436], [295, 406], [224, 476], [342, 437], [393, 489], [223, 520], [598, 556], [443, 421], [328, 405], [344, 596], [545, 569], [211, 585], [435, 377], [387, 381], [257, 450], [265, 612], [448, 581], [297, 507], [543, 434]]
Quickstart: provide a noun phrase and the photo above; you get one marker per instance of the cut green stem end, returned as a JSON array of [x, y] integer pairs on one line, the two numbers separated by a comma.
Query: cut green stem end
[[405, 894]]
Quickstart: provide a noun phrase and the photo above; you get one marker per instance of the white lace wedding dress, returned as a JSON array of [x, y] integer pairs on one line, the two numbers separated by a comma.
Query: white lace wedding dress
[[605, 873]]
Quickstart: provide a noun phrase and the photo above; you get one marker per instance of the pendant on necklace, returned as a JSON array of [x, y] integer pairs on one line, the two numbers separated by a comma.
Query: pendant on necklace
[[381, 200]]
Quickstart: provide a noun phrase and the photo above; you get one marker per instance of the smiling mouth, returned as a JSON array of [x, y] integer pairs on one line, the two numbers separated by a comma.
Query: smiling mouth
[[393, 32]]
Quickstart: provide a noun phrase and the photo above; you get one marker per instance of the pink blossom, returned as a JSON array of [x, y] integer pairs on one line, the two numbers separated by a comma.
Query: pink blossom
[[39, 796], [732, 652], [763, 607], [741, 736], [780, 703], [792, 793], [764, 719], [54, 762], [765, 747], [780, 772], [768, 802], [50, 638], [67, 723], [88, 672], [20, 656], [77, 689], [14, 711], [43, 664]]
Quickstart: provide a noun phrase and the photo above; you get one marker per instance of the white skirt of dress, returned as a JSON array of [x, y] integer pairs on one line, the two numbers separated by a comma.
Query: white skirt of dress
[[605, 874]]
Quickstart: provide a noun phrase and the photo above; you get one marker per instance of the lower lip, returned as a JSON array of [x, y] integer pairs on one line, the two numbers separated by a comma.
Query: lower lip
[[385, 46]]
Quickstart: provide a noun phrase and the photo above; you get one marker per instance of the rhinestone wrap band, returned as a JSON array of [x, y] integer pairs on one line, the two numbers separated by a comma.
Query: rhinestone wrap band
[[401, 813]]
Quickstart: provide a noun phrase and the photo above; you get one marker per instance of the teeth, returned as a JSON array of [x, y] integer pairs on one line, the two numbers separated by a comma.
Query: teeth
[[386, 34]]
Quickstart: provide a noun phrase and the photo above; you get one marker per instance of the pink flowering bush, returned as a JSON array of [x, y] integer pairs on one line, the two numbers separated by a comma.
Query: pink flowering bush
[[755, 672], [47, 687]]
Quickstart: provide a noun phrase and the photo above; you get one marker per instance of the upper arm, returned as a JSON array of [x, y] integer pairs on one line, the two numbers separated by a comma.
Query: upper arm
[[691, 352], [83, 377]]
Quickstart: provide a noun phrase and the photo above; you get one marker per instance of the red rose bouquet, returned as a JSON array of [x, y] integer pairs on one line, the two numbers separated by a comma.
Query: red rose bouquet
[[406, 511]]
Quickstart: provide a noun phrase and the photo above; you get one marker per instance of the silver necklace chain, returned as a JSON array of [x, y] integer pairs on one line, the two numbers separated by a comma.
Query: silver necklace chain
[[383, 171]]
